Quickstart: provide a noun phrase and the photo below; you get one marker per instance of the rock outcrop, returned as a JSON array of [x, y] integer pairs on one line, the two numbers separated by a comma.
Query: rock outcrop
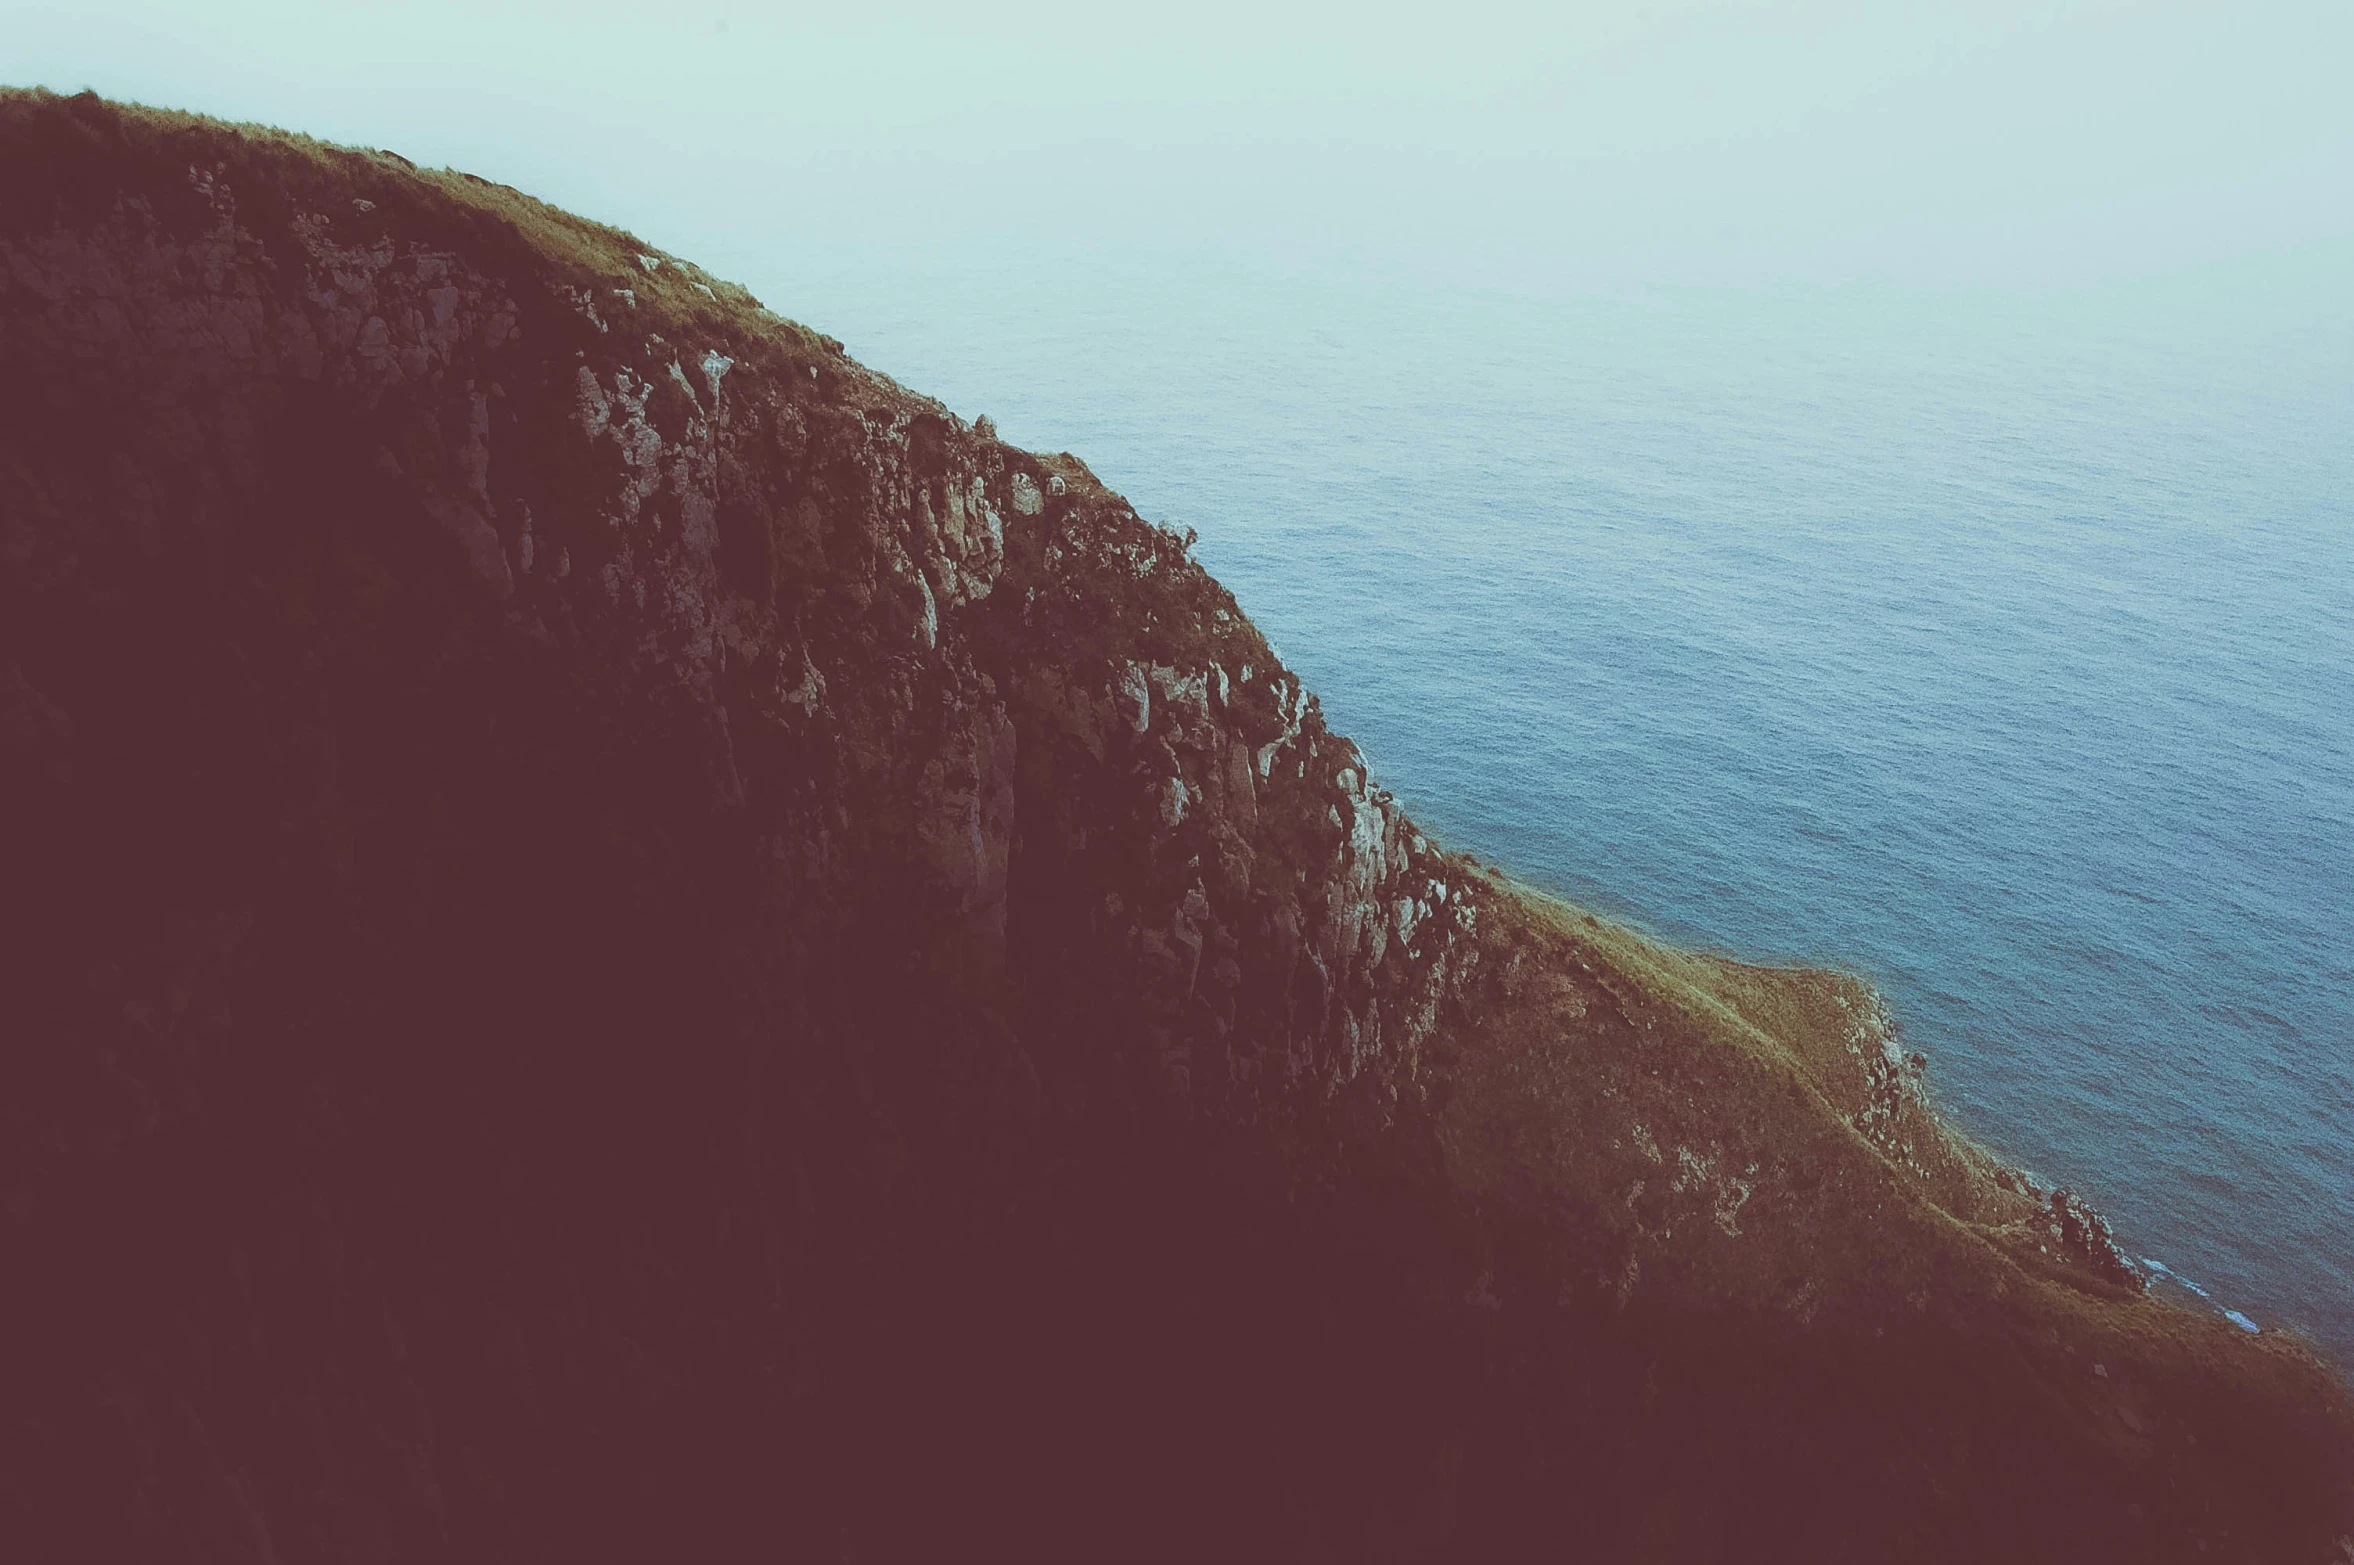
[[626, 940]]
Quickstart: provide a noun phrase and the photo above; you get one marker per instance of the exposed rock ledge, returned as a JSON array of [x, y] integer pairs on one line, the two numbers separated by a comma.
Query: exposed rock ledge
[[627, 940]]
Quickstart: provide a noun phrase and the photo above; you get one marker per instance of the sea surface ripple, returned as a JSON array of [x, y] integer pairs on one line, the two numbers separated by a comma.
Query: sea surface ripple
[[1999, 649]]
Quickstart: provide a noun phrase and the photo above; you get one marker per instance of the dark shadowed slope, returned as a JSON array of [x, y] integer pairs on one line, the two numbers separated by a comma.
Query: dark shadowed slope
[[624, 940]]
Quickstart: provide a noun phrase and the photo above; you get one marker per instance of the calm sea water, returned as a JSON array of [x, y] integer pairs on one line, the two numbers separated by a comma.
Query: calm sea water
[[1999, 648]]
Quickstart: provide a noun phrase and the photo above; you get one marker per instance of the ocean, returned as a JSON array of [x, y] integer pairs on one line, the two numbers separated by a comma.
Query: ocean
[[1996, 645]]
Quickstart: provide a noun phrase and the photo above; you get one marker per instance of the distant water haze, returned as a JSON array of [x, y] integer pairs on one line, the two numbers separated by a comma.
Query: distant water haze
[[1858, 484], [2015, 141]]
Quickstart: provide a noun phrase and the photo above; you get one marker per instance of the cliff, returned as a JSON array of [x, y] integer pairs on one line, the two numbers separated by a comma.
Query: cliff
[[625, 940]]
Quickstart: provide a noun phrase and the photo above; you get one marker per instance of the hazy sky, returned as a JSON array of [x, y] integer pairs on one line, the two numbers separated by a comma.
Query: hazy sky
[[1994, 141]]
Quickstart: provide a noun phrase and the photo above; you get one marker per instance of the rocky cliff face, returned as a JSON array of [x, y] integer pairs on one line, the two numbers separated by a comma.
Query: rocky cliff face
[[627, 940]]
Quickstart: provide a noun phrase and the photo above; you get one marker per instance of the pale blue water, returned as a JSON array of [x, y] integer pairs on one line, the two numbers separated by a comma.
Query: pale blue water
[[2000, 649]]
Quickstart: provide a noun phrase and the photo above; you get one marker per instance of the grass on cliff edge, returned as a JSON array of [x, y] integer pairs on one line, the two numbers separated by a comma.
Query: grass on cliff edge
[[65, 131], [1601, 1023]]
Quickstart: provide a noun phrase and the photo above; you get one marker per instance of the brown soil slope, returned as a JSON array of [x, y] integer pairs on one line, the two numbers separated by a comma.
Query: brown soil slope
[[625, 941]]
